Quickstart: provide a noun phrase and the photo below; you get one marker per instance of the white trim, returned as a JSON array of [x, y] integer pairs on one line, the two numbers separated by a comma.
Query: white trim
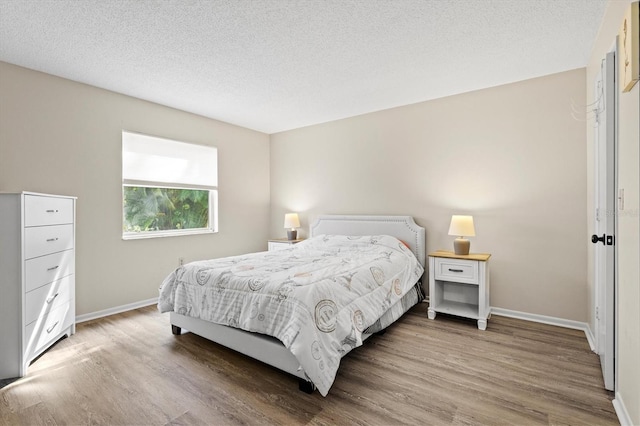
[[543, 319], [168, 233], [621, 411], [590, 338], [116, 310], [560, 322], [154, 184]]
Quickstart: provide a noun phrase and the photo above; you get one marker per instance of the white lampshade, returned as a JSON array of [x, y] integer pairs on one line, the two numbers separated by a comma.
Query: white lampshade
[[291, 221], [462, 226]]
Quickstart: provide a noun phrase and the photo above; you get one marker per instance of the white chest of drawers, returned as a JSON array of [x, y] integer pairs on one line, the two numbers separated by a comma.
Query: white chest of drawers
[[37, 276]]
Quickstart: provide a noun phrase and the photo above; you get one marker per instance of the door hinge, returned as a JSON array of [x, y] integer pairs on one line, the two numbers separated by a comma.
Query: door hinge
[[597, 313]]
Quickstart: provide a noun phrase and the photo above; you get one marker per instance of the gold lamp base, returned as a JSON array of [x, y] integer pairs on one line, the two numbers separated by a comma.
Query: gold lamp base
[[461, 246]]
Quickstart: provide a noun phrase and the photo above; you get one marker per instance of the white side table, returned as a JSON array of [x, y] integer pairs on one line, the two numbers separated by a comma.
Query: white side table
[[281, 243], [459, 285]]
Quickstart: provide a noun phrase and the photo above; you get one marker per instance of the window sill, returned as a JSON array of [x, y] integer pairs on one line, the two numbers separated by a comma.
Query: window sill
[[164, 234]]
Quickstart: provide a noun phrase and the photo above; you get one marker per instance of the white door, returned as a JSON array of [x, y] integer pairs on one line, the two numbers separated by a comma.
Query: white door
[[605, 217]]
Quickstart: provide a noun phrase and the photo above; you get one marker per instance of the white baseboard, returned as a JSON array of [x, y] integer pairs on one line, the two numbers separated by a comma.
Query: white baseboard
[[543, 319], [560, 322], [590, 338], [621, 411], [116, 310]]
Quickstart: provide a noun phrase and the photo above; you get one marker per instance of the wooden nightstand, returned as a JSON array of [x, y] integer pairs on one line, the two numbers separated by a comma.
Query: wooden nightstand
[[281, 243], [459, 285]]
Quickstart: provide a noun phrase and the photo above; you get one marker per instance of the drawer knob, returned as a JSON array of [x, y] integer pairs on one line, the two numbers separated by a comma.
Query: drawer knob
[[50, 329], [455, 270], [53, 268], [52, 211], [52, 239]]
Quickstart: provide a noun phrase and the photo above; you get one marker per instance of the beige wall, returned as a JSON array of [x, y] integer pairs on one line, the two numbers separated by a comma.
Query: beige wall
[[628, 235], [62, 137], [512, 156]]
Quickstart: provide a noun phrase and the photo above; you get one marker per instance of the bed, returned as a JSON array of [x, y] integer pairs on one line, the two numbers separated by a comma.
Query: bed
[[303, 308]]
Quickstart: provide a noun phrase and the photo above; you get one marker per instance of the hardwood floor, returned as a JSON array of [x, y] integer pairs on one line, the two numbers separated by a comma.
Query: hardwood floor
[[130, 369]]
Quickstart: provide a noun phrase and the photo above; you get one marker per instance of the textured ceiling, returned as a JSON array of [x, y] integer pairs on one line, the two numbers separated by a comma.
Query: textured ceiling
[[275, 65]]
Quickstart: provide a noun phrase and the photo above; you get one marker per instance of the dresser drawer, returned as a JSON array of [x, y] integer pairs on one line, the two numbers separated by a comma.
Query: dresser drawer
[[43, 240], [49, 297], [458, 270], [41, 210], [46, 269], [40, 334]]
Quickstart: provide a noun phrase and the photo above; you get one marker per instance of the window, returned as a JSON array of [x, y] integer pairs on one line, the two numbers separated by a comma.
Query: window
[[168, 187]]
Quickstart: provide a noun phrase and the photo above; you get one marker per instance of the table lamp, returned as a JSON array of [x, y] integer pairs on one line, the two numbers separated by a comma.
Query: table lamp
[[461, 226], [291, 222]]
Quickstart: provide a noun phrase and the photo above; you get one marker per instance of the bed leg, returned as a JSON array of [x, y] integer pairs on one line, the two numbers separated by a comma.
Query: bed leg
[[306, 386], [176, 330]]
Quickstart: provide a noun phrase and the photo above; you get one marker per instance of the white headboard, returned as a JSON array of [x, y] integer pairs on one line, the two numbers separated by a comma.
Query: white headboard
[[403, 228]]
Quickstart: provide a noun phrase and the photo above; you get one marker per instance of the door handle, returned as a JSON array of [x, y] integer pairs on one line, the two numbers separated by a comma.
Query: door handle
[[610, 240]]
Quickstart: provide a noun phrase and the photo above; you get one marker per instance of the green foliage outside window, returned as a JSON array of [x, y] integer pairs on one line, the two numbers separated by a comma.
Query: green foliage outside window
[[163, 209]]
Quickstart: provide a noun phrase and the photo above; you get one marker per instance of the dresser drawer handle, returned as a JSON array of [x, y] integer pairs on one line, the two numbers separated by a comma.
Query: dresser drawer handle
[[49, 240], [50, 329], [455, 270], [52, 211], [51, 298], [53, 268]]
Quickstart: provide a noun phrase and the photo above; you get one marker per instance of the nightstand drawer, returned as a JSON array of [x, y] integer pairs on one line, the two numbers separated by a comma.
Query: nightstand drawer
[[281, 244], [458, 270], [277, 246]]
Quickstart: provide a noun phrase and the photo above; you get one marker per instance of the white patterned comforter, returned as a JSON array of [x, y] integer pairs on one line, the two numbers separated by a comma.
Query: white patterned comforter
[[315, 297]]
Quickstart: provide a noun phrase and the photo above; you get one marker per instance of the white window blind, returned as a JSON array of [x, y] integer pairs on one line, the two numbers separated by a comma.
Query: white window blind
[[148, 160]]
